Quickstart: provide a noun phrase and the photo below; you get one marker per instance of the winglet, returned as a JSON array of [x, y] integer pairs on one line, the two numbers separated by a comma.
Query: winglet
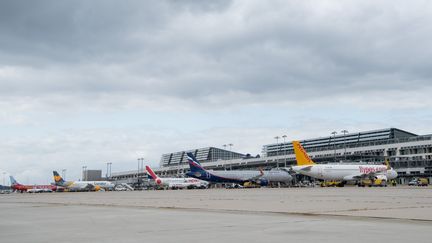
[[301, 156]]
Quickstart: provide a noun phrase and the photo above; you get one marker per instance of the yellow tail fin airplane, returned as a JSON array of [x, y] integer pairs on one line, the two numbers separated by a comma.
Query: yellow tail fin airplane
[[301, 156], [341, 172]]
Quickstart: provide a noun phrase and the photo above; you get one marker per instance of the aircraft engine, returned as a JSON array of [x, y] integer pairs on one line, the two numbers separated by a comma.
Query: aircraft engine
[[381, 177], [349, 178], [263, 182]]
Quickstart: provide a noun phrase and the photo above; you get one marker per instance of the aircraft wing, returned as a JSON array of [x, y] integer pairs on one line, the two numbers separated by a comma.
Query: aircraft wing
[[80, 186], [307, 168], [362, 176], [89, 186], [254, 178]]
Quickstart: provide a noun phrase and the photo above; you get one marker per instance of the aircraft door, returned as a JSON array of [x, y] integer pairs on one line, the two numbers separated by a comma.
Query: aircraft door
[[320, 172]]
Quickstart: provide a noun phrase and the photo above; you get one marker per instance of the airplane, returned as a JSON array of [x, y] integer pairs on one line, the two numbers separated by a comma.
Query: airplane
[[177, 183], [242, 177], [83, 185], [340, 172], [31, 188]]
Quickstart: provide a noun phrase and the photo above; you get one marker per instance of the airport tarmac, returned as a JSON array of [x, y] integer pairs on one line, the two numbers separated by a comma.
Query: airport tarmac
[[350, 214]]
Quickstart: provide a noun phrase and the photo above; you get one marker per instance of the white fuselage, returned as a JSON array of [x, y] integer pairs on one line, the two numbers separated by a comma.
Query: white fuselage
[[181, 182], [344, 172], [244, 175], [82, 185]]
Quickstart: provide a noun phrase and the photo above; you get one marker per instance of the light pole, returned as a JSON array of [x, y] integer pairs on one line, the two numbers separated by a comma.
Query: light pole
[[230, 145], [140, 164], [344, 133], [4, 180], [106, 175], [64, 174], [285, 159], [277, 149], [334, 144], [277, 145], [84, 173], [109, 171]]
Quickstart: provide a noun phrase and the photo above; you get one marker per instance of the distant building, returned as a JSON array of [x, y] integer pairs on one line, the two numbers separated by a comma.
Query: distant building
[[409, 154], [2, 187], [349, 140], [92, 175]]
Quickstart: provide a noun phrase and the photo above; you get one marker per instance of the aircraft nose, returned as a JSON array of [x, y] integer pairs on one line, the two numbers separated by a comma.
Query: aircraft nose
[[393, 174]]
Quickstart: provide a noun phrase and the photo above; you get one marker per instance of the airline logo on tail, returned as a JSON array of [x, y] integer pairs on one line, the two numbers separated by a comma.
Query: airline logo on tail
[[197, 170], [301, 156], [193, 161], [194, 164], [13, 181], [57, 178]]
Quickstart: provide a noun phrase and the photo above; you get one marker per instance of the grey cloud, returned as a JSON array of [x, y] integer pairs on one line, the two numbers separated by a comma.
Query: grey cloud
[[200, 6], [214, 49], [242, 68]]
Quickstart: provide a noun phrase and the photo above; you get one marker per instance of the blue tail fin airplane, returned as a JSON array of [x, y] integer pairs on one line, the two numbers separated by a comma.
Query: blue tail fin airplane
[[241, 177]]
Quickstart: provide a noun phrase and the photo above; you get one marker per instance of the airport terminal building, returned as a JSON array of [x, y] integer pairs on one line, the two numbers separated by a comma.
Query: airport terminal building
[[409, 154], [204, 155]]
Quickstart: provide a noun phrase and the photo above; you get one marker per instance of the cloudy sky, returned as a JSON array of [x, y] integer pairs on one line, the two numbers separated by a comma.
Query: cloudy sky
[[90, 82]]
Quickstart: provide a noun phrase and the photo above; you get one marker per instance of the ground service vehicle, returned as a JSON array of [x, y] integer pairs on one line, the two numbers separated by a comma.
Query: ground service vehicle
[[332, 184], [371, 183], [419, 182]]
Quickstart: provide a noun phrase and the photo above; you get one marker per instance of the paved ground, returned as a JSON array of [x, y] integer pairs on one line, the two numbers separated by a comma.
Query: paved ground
[[254, 215]]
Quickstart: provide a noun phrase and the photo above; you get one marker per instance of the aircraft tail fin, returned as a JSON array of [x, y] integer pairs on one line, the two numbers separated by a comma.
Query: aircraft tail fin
[[301, 156], [194, 165], [151, 172], [387, 163], [13, 181], [58, 179]]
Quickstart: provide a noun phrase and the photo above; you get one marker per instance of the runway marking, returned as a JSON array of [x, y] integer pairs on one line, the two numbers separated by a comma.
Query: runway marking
[[238, 211]]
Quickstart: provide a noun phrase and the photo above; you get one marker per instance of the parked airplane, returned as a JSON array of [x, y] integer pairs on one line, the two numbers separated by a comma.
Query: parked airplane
[[341, 172], [177, 183], [82, 185], [242, 177], [30, 188]]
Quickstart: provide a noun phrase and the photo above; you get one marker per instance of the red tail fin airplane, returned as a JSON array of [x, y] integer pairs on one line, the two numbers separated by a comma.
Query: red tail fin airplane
[[31, 188]]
